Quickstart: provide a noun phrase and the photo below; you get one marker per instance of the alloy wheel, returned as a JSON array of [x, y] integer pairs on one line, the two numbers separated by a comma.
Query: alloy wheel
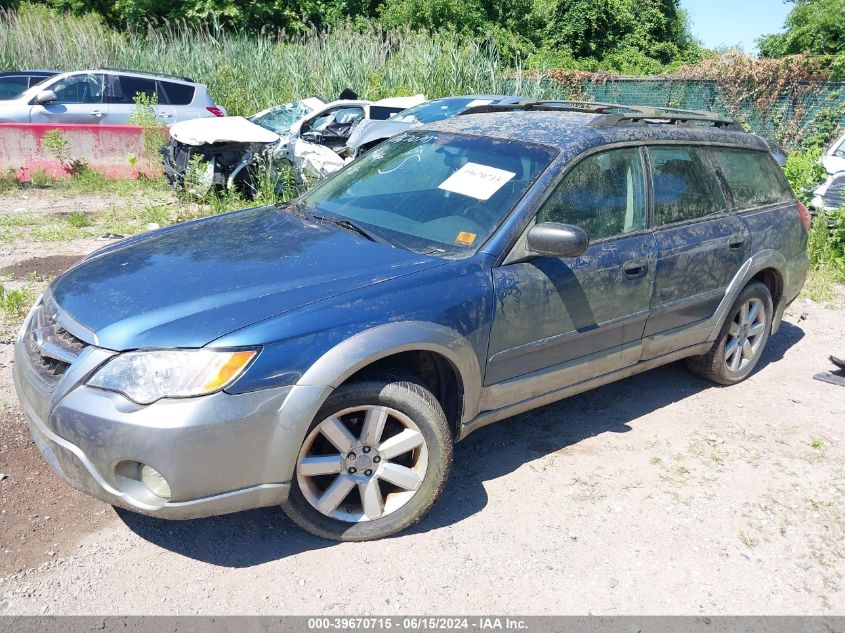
[[745, 335], [362, 463]]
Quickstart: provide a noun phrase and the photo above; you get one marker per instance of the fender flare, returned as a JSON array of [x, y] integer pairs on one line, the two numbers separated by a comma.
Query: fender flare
[[756, 263], [330, 370], [369, 346]]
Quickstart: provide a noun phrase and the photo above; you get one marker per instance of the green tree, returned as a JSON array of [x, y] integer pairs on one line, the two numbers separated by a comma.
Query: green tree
[[654, 31], [813, 26]]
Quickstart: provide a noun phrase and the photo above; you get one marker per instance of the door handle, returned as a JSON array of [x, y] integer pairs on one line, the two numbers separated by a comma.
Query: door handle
[[96, 113], [635, 269], [736, 241]]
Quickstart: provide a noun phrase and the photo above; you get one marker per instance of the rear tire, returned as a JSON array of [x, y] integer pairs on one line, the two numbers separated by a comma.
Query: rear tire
[[741, 342], [356, 479]]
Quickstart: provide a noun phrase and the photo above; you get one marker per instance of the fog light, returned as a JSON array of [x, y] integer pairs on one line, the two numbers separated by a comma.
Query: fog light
[[154, 480]]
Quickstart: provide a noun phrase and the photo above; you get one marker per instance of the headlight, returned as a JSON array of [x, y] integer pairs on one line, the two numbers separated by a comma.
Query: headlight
[[148, 376]]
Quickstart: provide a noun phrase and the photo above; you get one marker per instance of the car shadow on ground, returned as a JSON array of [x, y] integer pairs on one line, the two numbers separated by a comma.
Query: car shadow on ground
[[259, 536]]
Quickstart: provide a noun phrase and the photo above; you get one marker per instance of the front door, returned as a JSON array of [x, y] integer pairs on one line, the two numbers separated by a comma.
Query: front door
[[564, 312], [79, 99]]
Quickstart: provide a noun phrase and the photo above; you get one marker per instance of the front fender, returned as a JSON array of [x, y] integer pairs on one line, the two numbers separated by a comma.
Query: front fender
[[369, 346], [344, 359]]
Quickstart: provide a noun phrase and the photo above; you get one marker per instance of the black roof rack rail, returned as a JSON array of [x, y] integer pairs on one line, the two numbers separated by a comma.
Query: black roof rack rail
[[149, 73], [615, 113]]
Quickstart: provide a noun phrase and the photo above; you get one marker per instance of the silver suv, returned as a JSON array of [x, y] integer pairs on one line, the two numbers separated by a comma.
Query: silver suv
[[108, 96]]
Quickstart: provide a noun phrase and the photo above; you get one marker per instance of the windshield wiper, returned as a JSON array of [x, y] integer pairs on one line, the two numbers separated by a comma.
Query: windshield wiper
[[349, 225]]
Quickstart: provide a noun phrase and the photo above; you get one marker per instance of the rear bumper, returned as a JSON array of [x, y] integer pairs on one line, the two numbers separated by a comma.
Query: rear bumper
[[219, 453], [794, 276]]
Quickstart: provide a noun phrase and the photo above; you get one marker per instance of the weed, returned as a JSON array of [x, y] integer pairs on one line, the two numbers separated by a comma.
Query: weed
[[9, 180], [818, 444], [155, 214], [656, 461], [748, 540], [78, 219], [14, 304], [40, 178]]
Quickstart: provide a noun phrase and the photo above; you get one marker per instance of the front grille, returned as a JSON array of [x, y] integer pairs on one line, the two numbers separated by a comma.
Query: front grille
[[50, 347]]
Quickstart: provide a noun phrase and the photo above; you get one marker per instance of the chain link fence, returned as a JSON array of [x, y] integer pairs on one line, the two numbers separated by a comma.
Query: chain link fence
[[788, 120]]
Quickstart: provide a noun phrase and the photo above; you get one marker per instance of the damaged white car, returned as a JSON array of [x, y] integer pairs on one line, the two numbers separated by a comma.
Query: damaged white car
[[830, 195], [309, 135], [370, 133]]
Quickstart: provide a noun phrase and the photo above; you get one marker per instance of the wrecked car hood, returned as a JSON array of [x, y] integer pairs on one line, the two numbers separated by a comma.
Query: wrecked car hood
[[371, 130], [230, 129], [187, 285]]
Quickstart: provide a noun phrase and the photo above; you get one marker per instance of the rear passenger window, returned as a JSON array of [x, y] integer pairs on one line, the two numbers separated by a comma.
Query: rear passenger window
[[685, 186], [178, 94], [604, 194], [124, 89], [752, 177], [11, 87]]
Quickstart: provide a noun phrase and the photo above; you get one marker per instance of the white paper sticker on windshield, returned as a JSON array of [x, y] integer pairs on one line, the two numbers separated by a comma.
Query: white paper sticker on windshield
[[478, 102], [477, 181]]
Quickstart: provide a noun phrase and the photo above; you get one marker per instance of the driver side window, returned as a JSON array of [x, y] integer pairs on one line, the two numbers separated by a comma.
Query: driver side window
[[85, 88], [604, 194]]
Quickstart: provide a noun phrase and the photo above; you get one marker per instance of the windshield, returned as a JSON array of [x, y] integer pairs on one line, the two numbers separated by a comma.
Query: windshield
[[280, 118], [439, 109], [430, 191]]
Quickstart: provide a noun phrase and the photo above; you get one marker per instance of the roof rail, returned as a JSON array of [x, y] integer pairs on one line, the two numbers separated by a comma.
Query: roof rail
[[148, 73], [615, 113]]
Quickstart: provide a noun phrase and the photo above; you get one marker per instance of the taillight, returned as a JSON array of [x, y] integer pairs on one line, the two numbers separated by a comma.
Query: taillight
[[215, 110], [804, 214]]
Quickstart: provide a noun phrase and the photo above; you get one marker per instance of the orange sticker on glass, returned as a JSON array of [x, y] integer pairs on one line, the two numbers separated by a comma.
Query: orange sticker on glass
[[464, 238]]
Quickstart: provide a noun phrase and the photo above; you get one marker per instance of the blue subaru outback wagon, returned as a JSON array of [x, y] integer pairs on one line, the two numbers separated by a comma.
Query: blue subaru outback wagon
[[324, 355]]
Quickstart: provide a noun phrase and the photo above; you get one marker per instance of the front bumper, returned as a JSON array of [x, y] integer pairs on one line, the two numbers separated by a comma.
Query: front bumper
[[219, 453]]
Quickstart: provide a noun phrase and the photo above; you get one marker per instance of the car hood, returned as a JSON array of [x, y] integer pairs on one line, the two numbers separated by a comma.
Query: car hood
[[190, 284], [208, 130], [371, 130]]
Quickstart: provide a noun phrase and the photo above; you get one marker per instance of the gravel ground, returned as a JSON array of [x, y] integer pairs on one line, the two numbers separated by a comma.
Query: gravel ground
[[660, 494]]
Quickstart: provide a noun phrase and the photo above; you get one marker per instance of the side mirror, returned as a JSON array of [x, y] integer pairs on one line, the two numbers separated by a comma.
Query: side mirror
[[45, 96], [557, 240]]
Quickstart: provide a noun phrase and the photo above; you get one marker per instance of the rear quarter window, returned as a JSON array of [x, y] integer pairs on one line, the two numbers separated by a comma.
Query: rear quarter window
[[177, 94], [752, 177]]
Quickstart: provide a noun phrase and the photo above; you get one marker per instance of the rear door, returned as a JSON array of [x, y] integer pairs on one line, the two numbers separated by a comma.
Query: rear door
[[123, 93], [80, 98], [700, 245], [552, 311]]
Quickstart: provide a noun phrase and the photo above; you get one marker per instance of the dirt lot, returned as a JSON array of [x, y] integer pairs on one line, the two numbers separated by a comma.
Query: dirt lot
[[657, 494]]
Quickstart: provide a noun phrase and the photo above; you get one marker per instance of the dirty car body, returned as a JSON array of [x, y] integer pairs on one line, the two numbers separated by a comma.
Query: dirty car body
[[496, 262]]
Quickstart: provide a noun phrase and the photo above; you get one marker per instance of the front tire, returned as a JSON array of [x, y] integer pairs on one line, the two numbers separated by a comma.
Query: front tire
[[741, 342], [373, 462]]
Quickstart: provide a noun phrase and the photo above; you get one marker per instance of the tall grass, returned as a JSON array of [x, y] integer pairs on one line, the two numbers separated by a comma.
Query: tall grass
[[246, 73]]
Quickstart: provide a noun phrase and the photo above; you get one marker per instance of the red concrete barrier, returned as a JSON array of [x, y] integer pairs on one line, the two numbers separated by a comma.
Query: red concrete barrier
[[108, 149]]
